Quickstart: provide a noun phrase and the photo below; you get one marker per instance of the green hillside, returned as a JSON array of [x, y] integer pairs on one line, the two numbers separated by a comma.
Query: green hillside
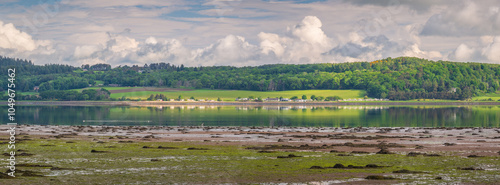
[[402, 78]]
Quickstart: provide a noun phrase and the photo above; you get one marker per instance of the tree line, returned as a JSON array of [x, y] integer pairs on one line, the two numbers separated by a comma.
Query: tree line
[[399, 78]]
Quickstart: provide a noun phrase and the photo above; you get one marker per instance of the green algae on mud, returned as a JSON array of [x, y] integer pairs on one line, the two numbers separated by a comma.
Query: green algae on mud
[[219, 162]]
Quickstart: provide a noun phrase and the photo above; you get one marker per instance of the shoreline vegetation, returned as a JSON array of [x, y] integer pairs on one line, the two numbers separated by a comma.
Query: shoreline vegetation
[[47, 154], [233, 103]]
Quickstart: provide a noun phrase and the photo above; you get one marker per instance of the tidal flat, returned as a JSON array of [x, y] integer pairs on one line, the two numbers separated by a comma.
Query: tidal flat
[[252, 155]]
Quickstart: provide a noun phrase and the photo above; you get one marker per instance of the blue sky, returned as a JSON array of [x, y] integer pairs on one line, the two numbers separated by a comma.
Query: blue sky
[[248, 33]]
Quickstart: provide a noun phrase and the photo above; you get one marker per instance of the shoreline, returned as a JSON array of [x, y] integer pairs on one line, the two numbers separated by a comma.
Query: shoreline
[[168, 103], [255, 155]]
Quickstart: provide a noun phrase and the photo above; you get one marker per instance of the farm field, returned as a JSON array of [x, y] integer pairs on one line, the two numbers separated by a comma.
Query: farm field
[[227, 95], [135, 93], [487, 96]]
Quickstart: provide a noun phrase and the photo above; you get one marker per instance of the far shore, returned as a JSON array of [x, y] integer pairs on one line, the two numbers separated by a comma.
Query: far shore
[[228, 103]]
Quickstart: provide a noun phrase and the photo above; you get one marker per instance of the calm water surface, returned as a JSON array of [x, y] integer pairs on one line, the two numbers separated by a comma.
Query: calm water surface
[[341, 116]]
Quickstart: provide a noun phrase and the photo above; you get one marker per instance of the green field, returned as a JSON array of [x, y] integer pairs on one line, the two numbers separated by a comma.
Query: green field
[[99, 82], [231, 95], [110, 88], [107, 88], [78, 71], [23, 93], [487, 96]]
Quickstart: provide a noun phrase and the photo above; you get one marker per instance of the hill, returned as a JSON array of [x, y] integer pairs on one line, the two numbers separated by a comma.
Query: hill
[[399, 78]]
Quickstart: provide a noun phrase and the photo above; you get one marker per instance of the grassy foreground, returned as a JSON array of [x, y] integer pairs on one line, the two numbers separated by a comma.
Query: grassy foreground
[[118, 161]]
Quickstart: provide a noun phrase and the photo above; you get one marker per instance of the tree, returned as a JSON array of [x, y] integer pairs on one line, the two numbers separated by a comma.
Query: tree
[[102, 94], [180, 97], [218, 99], [333, 98], [294, 98], [466, 93], [304, 97], [313, 97], [151, 97]]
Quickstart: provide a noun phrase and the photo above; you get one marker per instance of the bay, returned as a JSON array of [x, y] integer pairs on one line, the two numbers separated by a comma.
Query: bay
[[289, 116]]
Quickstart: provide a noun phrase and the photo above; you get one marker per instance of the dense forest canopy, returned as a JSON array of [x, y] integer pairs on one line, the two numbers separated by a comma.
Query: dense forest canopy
[[400, 78]]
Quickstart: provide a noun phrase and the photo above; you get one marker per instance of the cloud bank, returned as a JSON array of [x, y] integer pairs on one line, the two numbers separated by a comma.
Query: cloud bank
[[247, 33], [304, 42]]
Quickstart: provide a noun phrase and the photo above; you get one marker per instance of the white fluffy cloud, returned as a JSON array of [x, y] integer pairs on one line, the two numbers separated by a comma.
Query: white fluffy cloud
[[231, 50], [359, 47], [115, 49], [271, 42], [465, 18], [12, 38], [309, 31], [21, 44], [305, 44], [492, 50], [463, 53], [414, 51], [85, 51], [485, 49]]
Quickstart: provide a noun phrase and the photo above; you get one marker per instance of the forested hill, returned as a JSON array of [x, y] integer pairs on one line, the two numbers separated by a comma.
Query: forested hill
[[394, 78], [28, 68]]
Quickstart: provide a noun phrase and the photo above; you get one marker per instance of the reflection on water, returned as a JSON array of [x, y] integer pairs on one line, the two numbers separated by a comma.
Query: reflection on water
[[161, 107], [332, 116]]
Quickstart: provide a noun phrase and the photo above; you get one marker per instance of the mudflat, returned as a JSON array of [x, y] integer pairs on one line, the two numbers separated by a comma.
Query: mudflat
[[248, 155]]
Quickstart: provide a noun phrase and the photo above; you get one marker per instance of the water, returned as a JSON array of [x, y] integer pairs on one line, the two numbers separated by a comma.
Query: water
[[338, 116]]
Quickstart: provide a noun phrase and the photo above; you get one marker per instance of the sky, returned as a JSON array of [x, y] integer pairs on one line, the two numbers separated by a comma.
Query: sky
[[248, 32]]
